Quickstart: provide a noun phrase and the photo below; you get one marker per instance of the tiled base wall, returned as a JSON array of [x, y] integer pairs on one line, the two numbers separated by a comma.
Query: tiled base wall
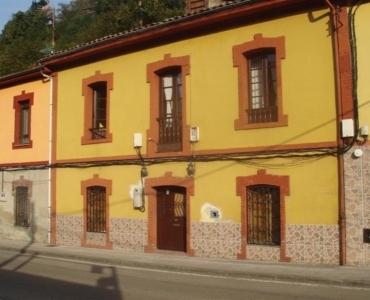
[[263, 253], [96, 239], [313, 244], [129, 233], [221, 239], [357, 191], [69, 230], [125, 233]]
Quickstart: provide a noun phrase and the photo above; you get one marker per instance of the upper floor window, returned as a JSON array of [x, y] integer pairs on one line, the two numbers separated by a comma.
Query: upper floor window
[[96, 91], [168, 130], [260, 93], [262, 106], [22, 126], [263, 215], [170, 111], [99, 110]]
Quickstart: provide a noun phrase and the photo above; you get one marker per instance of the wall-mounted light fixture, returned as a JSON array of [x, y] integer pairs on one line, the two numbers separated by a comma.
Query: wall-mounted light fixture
[[190, 169]]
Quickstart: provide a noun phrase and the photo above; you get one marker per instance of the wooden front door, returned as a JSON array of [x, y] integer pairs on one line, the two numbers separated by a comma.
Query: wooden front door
[[171, 214]]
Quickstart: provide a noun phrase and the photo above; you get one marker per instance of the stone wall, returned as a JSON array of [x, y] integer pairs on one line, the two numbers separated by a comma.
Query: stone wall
[[38, 209]]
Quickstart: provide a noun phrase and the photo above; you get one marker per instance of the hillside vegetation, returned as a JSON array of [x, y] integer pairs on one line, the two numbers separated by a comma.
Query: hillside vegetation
[[41, 29]]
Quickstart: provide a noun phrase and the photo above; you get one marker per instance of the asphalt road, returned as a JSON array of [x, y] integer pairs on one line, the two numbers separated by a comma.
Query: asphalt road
[[25, 277]]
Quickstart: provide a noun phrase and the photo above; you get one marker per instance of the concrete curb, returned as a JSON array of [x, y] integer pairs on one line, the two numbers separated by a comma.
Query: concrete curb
[[338, 276]]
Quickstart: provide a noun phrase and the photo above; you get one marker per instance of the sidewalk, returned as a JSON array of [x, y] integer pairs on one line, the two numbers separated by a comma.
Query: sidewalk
[[332, 275]]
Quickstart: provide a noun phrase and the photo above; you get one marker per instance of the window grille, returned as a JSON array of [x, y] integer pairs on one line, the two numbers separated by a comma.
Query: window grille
[[99, 110], [263, 204], [22, 217], [24, 126], [170, 111], [96, 209], [262, 87]]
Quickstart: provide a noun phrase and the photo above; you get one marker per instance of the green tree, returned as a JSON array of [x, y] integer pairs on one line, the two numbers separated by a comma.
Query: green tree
[[23, 37], [85, 20], [28, 35]]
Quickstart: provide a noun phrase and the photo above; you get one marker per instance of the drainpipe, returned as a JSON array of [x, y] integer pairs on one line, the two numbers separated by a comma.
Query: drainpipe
[[50, 143], [342, 208]]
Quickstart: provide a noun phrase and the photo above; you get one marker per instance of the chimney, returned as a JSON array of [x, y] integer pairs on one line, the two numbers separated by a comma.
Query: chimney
[[196, 5]]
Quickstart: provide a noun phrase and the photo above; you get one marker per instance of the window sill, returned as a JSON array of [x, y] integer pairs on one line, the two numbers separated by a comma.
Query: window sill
[[21, 146], [242, 124], [88, 141]]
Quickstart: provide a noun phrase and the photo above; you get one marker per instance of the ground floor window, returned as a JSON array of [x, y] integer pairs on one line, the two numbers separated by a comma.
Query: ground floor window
[[22, 211], [263, 215], [96, 209]]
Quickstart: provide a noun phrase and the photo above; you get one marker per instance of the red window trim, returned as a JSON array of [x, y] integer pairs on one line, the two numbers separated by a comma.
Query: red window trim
[[261, 178], [153, 71], [240, 61], [87, 92], [17, 118], [96, 181]]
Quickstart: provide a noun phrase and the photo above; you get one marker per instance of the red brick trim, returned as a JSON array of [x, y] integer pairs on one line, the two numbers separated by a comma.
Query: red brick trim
[[242, 183], [88, 98], [108, 188], [153, 79], [150, 191], [259, 42], [17, 116]]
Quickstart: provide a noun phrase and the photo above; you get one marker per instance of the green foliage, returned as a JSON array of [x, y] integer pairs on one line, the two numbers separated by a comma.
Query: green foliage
[[29, 34], [85, 20], [23, 38]]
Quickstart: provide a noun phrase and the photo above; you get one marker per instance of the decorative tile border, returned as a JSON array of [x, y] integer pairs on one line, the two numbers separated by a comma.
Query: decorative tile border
[[313, 244], [219, 239]]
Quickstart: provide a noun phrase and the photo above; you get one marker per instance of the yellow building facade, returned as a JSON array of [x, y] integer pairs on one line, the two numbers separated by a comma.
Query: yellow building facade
[[220, 133], [239, 179]]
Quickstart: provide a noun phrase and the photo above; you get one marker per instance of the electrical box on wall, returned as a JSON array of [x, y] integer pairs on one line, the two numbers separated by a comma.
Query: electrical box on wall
[[348, 128], [194, 134], [138, 197], [367, 235], [138, 140]]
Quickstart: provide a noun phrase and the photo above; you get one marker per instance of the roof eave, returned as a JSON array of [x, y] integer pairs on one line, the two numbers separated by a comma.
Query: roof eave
[[21, 77], [163, 31]]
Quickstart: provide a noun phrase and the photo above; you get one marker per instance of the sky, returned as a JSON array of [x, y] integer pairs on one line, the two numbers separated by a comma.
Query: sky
[[9, 7]]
